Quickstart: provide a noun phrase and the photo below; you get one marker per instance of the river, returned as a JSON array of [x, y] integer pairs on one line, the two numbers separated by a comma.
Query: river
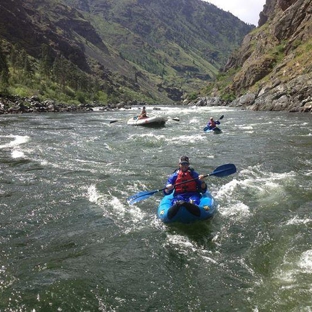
[[71, 242]]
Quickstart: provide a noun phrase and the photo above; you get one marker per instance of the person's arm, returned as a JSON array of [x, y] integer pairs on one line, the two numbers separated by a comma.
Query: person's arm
[[170, 184], [201, 184]]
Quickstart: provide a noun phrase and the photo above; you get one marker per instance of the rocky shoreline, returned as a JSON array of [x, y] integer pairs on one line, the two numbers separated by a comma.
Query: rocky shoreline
[[257, 103], [22, 105]]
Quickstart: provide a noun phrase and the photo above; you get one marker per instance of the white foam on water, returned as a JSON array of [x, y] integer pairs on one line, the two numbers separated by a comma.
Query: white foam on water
[[187, 138], [227, 190], [17, 141], [158, 224], [260, 181], [44, 162], [297, 221], [192, 138], [124, 215], [193, 120], [292, 271], [93, 194], [182, 243], [131, 216], [208, 258], [17, 154], [266, 187], [146, 135], [184, 246], [305, 262], [15, 145], [308, 173], [245, 127], [107, 147], [238, 211]]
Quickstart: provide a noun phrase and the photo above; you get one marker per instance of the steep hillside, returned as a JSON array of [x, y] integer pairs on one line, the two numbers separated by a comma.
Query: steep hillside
[[145, 50], [272, 70], [181, 42]]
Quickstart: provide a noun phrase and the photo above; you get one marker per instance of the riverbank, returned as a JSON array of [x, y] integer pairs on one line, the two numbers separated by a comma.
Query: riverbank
[[265, 102], [21, 105], [18, 105]]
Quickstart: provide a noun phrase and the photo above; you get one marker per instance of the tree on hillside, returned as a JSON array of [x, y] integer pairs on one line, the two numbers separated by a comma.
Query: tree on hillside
[[46, 61], [4, 71], [59, 70], [28, 71]]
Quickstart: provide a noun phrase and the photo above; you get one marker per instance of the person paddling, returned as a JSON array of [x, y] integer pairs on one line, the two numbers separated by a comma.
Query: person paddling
[[186, 194], [143, 114], [212, 124]]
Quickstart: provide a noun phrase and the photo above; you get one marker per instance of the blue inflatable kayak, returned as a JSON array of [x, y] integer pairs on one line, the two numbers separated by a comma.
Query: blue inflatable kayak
[[215, 130], [186, 212]]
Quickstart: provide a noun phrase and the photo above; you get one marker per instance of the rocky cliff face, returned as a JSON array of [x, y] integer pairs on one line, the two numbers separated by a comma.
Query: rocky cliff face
[[273, 67]]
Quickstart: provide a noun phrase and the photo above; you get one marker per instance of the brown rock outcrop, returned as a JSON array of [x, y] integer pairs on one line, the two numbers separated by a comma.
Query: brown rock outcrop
[[278, 50]]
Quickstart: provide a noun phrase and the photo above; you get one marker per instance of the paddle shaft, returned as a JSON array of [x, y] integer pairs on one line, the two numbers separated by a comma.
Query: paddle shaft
[[136, 197], [221, 171]]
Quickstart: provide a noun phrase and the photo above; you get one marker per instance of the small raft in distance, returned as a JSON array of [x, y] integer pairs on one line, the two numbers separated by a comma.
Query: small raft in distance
[[153, 121]]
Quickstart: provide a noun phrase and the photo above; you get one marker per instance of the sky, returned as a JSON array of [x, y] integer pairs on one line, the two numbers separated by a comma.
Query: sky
[[246, 10]]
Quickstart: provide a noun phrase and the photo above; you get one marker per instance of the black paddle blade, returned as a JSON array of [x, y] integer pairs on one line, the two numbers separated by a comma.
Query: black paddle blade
[[221, 117]]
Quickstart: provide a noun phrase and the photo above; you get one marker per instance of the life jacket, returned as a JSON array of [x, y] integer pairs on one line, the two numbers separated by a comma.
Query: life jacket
[[212, 124], [185, 187]]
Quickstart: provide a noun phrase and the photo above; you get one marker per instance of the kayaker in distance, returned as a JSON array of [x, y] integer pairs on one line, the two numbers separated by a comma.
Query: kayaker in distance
[[212, 123], [143, 113], [186, 194]]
